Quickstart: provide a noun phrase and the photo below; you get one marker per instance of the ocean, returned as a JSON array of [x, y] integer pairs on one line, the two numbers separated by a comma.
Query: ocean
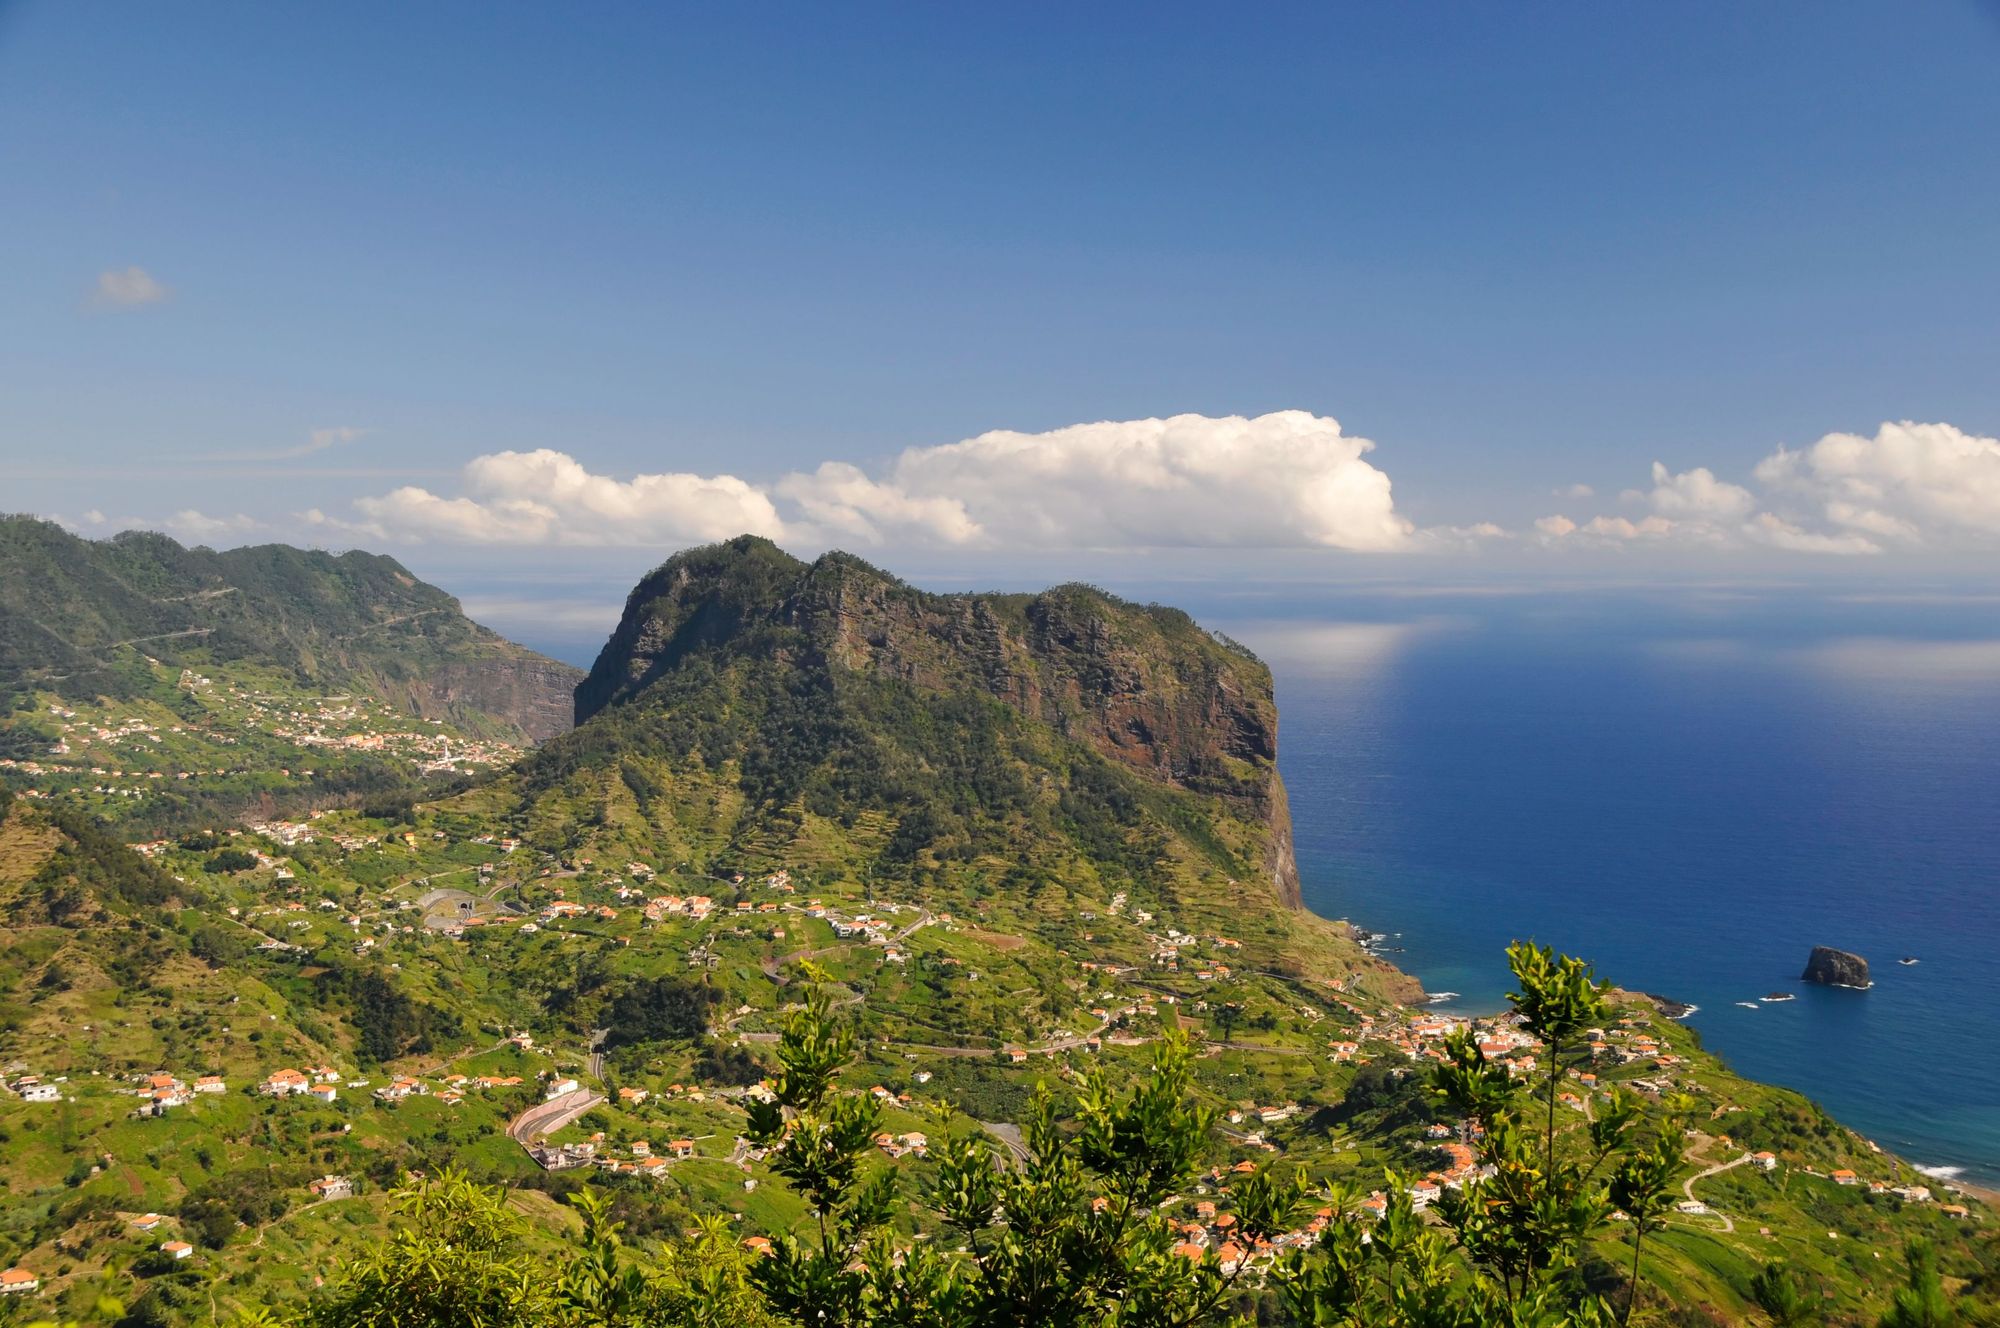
[[1690, 789]]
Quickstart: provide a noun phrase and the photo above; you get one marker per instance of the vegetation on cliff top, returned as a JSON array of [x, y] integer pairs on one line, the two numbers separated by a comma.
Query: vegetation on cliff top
[[80, 617]]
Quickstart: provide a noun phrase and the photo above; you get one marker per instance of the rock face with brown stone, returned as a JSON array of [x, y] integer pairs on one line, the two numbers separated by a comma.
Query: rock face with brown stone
[[1837, 968], [1143, 686]]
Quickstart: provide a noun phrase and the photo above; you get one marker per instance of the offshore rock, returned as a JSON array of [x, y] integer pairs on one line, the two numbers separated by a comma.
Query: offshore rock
[[1837, 968]]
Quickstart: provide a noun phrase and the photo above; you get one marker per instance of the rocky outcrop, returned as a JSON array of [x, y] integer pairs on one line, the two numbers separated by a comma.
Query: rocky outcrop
[[1837, 968], [1143, 686]]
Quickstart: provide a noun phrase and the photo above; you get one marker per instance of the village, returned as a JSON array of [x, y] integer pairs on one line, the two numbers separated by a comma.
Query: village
[[1278, 1052], [125, 751]]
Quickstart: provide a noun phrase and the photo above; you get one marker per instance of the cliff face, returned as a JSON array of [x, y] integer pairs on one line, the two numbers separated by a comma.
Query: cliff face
[[527, 691], [1140, 685]]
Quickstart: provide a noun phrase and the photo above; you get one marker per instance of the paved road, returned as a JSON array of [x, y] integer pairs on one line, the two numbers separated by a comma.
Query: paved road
[[546, 1118], [597, 1036], [1010, 1140]]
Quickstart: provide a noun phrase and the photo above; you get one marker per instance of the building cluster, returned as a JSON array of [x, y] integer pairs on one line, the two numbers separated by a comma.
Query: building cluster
[[163, 1092]]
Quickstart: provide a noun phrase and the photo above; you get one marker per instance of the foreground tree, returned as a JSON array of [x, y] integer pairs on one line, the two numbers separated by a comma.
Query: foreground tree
[[1071, 1235], [1076, 1230], [1780, 1291], [454, 1260], [1921, 1302]]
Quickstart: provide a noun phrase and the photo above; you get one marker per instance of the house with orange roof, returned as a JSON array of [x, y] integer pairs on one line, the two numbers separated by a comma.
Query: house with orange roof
[[176, 1249], [19, 1281]]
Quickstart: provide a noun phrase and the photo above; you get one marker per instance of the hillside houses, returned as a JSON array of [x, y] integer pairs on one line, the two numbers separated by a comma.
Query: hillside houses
[[31, 1088]]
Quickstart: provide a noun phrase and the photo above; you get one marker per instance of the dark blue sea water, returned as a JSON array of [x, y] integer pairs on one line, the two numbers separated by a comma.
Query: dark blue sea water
[[1692, 791]]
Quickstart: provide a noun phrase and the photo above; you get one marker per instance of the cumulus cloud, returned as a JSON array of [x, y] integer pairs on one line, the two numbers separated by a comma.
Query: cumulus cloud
[[201, 528], [1769, 528], [548, 497], [1690, 507], [188, 524], [1289, 479], [1575, 491], [1911, 484], [1696, 495], [1285, 479], [844, 503], [128, 288]]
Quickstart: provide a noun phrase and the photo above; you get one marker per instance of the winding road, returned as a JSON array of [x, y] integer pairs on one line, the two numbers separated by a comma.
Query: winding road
[[1687, 1188], [545, 1118]]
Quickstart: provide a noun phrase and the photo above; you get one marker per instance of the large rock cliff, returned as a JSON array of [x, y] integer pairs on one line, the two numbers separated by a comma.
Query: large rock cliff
[[1142, 686]]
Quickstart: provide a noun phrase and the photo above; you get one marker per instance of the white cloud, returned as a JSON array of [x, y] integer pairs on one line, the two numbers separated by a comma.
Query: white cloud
[[845, 504], [319, 440], [128, 288], [1284, 479], [1574, 491], [1289, 478], [1911, 484], [1696, 495], [1618, 528], [200, 528], [547, 497], [1769, 528]]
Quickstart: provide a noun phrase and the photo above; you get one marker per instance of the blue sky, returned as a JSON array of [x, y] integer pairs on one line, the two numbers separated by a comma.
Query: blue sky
[[284, 272]]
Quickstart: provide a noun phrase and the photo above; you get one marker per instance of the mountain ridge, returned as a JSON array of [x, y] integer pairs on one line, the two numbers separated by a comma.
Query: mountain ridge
[[1143, 687], [70, 605]]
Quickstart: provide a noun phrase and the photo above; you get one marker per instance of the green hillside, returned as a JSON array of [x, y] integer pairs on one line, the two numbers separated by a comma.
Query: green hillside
[[80, 618], [1013, 839]]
